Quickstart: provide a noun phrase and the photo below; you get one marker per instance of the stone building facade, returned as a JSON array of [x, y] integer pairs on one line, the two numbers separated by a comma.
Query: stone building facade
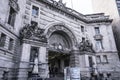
[[102, 6], [39, 36]]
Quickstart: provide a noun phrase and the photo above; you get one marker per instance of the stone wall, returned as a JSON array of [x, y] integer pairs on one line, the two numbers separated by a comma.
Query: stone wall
[[18, 59]]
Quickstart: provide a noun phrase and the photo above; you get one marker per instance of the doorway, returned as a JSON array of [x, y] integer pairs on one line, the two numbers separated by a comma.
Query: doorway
[[57, 62]]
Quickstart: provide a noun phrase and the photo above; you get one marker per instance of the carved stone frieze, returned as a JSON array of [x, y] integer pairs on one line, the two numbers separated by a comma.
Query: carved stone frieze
[[33, 33]]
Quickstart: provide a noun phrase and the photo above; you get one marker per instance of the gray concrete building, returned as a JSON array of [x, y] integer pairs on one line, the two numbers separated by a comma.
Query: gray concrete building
[[42, 38], [104, 6]]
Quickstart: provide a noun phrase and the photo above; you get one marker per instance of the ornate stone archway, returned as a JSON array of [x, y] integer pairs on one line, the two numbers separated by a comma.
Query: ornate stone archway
[[35, 37], [63, 30], [61, 38]]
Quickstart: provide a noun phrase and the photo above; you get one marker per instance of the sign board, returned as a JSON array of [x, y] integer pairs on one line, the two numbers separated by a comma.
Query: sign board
[[72, 73], [75, 73]]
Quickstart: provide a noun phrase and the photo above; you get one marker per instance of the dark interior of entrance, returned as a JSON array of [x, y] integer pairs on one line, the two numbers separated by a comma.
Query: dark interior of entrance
[[60, 44], [57, 62]]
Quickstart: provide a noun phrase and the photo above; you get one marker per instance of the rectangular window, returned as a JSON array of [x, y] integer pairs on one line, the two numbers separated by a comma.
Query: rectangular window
[[83, 39], [105, 59], [11, 18], [34, 53], [98, 59], [2, 40], [97, 30], [11, 41], [99, 45], [90, 61], [35, 11], [82, 29]]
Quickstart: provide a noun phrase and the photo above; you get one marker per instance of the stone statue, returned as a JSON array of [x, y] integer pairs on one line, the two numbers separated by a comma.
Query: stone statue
[[35, 67], [85, 45], [61, 5]]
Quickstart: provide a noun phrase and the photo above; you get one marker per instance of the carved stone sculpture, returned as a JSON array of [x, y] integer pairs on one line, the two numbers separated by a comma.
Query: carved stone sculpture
[[14, 5], [35, 68], [33, 32], [85, 45]]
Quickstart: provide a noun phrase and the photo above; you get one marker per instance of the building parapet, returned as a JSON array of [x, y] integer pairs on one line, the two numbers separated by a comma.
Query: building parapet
[[91, 18]]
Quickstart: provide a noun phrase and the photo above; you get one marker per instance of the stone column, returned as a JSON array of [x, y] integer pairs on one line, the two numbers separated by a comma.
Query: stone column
[[43, 65], [74, 57], [24, 62], [74, 63]]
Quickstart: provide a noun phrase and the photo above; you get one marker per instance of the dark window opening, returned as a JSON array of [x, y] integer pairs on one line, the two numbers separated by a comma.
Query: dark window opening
[[11, 18], [90, 61], [2, 40], [83, 39], [66, 62], [34, 53], [108, 75], [82, 29], [11, 41]]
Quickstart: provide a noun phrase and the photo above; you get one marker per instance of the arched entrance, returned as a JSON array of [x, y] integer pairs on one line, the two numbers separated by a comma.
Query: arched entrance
[[60, 42], [49, 50]]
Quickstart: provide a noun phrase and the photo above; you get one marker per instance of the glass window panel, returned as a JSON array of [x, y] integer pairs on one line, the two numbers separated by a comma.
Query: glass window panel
[[99, 45], [97, 30], [35, 11]]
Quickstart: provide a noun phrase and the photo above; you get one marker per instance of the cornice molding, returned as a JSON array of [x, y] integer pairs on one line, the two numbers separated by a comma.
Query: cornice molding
[[75, 14]]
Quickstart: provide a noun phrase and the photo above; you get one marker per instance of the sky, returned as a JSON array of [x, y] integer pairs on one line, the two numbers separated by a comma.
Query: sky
[[82, 6]]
